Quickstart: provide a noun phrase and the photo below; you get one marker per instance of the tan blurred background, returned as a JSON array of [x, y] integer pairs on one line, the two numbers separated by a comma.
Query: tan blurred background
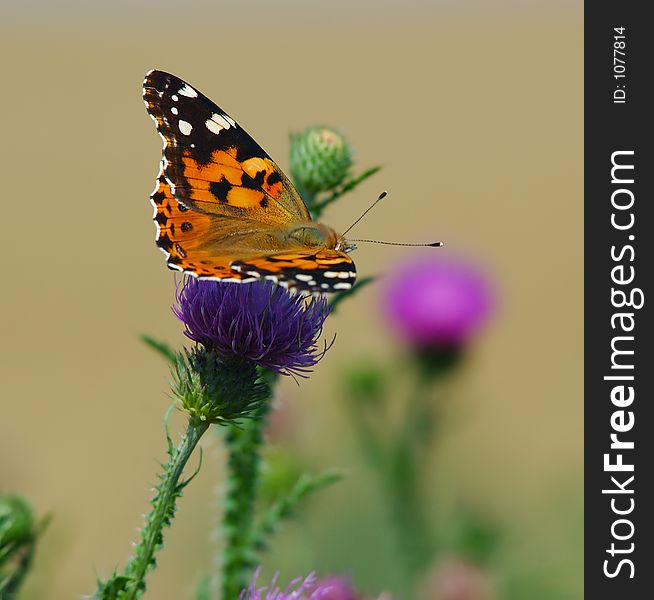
[[475, 111]]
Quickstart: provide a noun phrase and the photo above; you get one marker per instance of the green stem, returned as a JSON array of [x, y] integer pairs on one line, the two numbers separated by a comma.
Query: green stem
[[350, 184], [163, 510], [371, 446], [412, 530], [239, 559], [284, 507]]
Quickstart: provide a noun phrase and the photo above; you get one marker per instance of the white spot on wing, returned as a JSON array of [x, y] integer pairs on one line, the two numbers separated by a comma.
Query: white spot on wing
[[219, 122], [174, 97], [303, 277], [213, 127], [174, 110], [185, 127], [188, 91], [339, 274], [342, 286]]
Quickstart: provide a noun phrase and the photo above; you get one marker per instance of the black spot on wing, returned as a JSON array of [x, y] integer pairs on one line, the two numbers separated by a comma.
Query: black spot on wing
[[274, 259], [220, 189], [158, 197], [273, 178], [254, 183], [164, 242]]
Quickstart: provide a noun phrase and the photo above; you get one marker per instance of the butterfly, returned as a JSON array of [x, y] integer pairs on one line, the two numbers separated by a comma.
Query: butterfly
[[223, 208]]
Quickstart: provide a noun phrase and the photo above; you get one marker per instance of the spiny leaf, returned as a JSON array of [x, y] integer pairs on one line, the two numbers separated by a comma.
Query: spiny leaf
[[286, 505], [161, 347], [192, 476], [112, 588], [169, 439]]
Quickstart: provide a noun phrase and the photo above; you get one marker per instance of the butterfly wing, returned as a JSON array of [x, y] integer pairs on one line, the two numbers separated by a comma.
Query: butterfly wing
[[318, 270], [185, 237], [188, 239], [211, 163], [220, 200]]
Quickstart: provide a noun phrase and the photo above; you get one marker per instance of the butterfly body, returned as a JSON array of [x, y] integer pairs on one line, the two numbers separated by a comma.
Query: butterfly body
[[224, 210]]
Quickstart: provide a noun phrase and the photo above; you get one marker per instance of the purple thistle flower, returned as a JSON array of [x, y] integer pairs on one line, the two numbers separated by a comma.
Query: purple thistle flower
[[436, 303], [309, 588], [258, 322], [334, 587]]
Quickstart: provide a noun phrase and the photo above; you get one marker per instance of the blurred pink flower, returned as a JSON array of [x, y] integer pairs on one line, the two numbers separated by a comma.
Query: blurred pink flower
[[457, 579], [433, 302]]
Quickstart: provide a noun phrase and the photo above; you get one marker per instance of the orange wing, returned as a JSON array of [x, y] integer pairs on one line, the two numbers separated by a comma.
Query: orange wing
[[211, 163], [222, 206], [182, 235], [185, 237]]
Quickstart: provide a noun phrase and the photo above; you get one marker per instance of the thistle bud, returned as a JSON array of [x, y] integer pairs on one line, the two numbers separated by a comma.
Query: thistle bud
[[16, 522], [213, 391], [17, 537], [320, 159]]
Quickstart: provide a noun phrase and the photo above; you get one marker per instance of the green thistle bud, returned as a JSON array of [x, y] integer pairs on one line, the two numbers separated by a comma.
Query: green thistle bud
[[16, 522], [365, 383], [320, 159], [212, 390], [18, 534]]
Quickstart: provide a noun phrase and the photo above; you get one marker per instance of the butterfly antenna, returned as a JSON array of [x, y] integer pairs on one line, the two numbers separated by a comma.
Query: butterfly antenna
[[381, 197], [427, 245]]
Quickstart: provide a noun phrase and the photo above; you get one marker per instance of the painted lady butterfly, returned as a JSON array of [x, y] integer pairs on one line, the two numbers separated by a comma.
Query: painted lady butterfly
[[224, 210]]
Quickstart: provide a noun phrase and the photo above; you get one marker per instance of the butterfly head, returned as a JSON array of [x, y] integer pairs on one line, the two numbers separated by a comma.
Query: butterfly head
[[342, 245]]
